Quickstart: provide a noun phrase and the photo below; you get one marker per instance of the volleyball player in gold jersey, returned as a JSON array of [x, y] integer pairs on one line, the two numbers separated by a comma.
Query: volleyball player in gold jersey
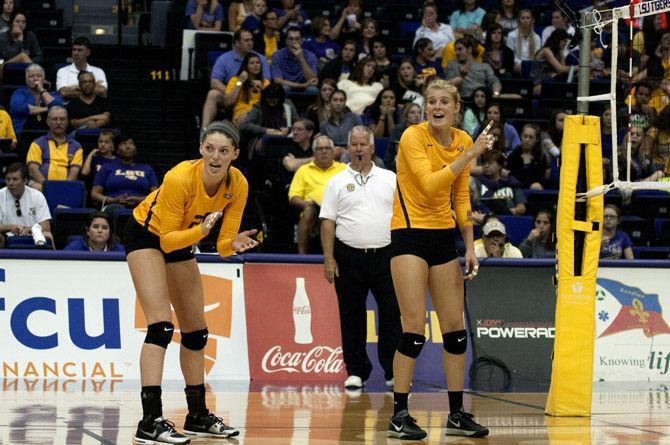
[[433, 173], [158, 241]]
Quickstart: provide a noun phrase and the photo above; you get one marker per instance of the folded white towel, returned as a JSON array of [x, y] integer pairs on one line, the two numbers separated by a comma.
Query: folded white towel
[[38, 236]]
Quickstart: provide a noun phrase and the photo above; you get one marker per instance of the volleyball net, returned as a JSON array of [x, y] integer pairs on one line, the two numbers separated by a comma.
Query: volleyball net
[[631, 44]]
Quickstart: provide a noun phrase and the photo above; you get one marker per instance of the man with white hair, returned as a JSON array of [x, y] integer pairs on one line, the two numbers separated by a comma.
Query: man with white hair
[[30, 103], [356, 237], [308, 184]]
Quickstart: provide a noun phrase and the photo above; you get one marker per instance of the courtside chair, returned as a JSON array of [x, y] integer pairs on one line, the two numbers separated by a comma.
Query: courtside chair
[[71, 194]]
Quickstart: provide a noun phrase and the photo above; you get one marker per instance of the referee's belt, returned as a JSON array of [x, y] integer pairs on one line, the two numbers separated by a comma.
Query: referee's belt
[[364, 251]]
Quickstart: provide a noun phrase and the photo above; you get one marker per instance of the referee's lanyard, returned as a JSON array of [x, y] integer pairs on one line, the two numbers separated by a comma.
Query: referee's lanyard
[[358, 177], [360, 180]]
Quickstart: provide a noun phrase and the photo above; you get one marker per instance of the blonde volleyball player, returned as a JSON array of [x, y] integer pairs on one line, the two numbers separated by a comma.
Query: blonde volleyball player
[[158, 241], [433, 168]]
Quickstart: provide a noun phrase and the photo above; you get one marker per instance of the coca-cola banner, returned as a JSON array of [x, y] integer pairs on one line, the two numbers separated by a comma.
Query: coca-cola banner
[[292, 323]]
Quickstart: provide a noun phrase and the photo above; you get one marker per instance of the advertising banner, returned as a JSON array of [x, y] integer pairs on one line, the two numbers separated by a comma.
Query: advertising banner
[[511, 315], [632, 325], [81, 320], [429, 368], [293, 323]]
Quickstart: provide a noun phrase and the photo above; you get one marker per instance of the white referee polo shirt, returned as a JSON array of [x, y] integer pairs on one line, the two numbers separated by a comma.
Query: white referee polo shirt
[[361, 207]]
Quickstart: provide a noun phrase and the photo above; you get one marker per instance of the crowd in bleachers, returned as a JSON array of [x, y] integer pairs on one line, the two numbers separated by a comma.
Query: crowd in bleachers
[[298, 70], [46, 175]]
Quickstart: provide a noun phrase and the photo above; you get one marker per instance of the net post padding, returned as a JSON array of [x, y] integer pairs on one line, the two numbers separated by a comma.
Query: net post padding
[[578, 245]]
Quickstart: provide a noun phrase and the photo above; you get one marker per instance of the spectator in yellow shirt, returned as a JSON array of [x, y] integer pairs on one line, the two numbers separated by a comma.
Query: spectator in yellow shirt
[[6, 128], [308, 185], [54, 156], [244, 90]]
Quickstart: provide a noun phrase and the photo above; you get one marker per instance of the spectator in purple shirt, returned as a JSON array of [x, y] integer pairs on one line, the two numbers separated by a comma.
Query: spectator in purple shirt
[[293, 67], [321, 45], [100, 156], [97, 236], [204, 15], [123, 182], [615, 244], [291, 15]]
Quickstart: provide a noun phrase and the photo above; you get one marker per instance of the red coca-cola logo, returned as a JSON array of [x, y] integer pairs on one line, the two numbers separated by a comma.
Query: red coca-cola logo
[[320, 359]]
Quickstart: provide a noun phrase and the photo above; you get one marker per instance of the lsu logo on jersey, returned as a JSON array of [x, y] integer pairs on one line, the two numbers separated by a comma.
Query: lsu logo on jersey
[[218, 315]]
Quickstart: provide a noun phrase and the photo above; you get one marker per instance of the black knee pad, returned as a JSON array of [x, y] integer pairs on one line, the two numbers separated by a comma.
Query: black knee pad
[[196, 340], [160, 334], [455, 342], [411, 344]]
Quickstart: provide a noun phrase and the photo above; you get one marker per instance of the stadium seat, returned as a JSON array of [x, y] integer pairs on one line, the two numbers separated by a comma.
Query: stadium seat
[[559, 90], [663, 231], [120, 219], [54, 36], [275, 146], [637, 229], [7, 91], [210, 41], [526, 67], [34, 5], [44, 18], [398, 14], [516, 108], [651, 253], [314, 8], [71, 194], [650, 203], [388, 29], [24, 242], [599, 87], [88, 138], [544, 107], [408, 29], [6, 159], [68, 222], [518, 227], [523, 87], [25, 138], [541, 200], [14, 74], [301, 100], [58, 54]]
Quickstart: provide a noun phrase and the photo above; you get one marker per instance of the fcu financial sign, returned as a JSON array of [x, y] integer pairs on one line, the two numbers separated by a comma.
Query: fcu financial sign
[[48, 337]]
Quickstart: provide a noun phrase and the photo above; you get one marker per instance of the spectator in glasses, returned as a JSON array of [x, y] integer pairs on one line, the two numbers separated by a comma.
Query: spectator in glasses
[[22, 207]]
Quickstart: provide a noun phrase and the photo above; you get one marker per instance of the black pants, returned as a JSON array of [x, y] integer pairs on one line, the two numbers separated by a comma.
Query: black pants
[[362, 271]]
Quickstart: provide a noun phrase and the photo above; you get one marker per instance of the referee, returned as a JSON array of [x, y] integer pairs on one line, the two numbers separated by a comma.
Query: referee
[[356, 238]]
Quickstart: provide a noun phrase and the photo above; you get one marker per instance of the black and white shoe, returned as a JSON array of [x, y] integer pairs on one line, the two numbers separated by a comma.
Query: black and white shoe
[[208, 426], [403, 426], [461, 423], [157, 432]]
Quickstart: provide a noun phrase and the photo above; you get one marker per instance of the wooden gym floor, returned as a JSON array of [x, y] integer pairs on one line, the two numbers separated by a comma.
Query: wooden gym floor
[[37, 412]]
